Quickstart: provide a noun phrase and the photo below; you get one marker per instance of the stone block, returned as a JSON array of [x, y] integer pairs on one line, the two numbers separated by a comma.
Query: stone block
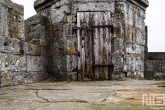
[[44, 51], [139, 65], [139, 49], [58, 14], [43, 43], [139, 74], [9, 62], [36, 64], [36, 19], [60, 3], [117, 61], [163, 66], [130, 63], [130, 48], [39, 32], [71, 46], [159, 76], [72, 62], [57, 48], [153, 66], [3, 21], [16, 7], [64, 63], [37, 76], [56, 61], [9, 45], [72, 76], [156, 55], [140, 37], [31, 49], [16, 78], [34, 42], [60, 76], [149, 75], [117, 46]]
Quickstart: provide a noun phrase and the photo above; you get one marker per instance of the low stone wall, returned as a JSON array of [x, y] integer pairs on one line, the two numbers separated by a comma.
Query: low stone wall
[[155, 65], [22, 55]]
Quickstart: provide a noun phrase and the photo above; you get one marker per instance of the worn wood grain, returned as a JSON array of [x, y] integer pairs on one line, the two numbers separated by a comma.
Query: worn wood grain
[[94, 46]]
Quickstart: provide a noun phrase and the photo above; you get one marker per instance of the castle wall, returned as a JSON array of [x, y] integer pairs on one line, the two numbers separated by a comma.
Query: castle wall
[[21, 60], [155, 66], [128, 40]]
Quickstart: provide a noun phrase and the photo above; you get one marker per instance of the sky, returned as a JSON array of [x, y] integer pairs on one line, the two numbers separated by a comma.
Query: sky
[[155, 20]]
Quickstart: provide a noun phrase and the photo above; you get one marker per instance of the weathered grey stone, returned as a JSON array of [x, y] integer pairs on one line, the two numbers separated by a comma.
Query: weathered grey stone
[[56, 61], [117, 62], [37, 76], [36, 19], [31, 49], [159, 76], [55, 52], [117, 47], [43, 43], [130, 48], [16, 78], [60, 3], [39, 32], [63, 63], [139, 65], [13, 6], [44, 51], [71, 62], [163, 66], [129, 64], [156, 55], [149, 75], [9, 62], [58, 15], [9, 45], [3, 21], [36, 64], [72, 76], [60, 76], [153, 66], [140, 37]]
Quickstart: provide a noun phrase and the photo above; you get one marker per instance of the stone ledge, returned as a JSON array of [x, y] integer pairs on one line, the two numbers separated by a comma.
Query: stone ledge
[[16, 7], [36, 19]]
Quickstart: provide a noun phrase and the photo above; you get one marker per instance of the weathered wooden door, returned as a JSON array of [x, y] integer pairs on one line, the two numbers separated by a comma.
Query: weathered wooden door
[[94, 45]]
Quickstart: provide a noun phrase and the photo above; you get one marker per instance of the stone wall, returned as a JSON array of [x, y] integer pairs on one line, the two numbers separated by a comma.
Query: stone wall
[[155, 65], [22, 57], [128, 39]]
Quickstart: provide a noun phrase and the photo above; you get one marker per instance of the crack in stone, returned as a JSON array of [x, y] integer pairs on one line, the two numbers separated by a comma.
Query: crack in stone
[[47, 89], [114, 92], [3, 93], [79, 101], [47, 101]]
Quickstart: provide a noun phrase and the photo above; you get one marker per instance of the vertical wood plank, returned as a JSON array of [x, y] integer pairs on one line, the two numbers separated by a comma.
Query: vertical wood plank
[[96, 45], [101, 72], [79, 46], [83, 45]]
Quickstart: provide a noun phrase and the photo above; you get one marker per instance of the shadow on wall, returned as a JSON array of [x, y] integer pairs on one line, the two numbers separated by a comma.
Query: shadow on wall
[[155, 66]]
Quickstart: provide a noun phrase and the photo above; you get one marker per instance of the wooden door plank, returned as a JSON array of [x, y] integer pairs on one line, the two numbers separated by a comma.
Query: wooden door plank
[[79, 46], [106, 45], [96, 45], [101, 72]]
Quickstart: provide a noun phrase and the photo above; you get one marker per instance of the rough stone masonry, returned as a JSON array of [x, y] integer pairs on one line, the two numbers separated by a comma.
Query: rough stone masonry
[[73, 40]]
